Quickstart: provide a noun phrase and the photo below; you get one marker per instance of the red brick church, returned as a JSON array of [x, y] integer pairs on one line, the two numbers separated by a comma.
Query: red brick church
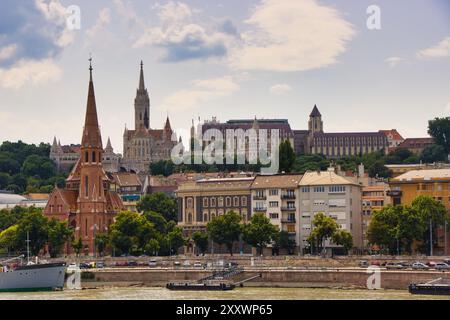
[[87, 203]]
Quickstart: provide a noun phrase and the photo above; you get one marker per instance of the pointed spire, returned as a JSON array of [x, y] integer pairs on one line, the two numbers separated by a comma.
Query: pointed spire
[[109, 148], [167, 125], [141, 78], [91, 133], [315, 112], [55, 144]]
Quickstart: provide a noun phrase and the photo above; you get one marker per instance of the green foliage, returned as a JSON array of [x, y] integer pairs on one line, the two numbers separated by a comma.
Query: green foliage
[[225, 229], [259, 232], [77, 246], [161, 203], [36, 224], [8, 238], [176, 239], [439, 129], [101, 242], [39, 166], [152, 247], [434, 153], [324, 228], [58, 235], [286, 156], [201, 241], [284, 241], [343, 238], [163, 167]]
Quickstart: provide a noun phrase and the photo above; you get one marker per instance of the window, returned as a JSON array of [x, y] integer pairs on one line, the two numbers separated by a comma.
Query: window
[[337, 189], [228, 202], [273, 204], [213, 202], [86, 186], [244, 201], [236, 201], [260, 193], [220, 202], [340, 203], [306, 215], [273, 192], [190, 203], [319, 189], [86, 156], [305, 189], [319, 202], [94, 156], [273, 215], [205, 202], [291, 204], [86, 231]]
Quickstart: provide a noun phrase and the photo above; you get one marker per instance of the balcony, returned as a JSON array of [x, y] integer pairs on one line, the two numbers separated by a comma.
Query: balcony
[[288, 208], [259, 197], [394, 193], [260, 209], [288, 220], [288, 196]]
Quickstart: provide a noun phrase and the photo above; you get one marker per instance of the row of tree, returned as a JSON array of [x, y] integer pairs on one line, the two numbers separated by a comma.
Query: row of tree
[[26, 168], [396, 228]]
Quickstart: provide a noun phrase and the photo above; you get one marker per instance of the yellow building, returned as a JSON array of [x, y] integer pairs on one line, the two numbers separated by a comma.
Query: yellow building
[[434, 183]]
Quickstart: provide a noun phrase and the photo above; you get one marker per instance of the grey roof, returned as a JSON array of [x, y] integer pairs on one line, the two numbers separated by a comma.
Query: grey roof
[[315, 112], [7, 198]]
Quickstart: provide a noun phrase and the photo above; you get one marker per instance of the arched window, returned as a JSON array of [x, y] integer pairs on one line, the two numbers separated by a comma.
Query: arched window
[[86, 186], [86, 156], [94, 156]]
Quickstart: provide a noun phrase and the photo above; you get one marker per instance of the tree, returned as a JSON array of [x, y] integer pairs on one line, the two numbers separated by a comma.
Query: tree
[[160, 223], [343, 238], [434, 153], [439, 129], [284, 241], [8, 238], [287, 156], [36, 165], [324, 228], [35, 224], [162, 167], [101, 242], [225, 229], [161, 203], [77, 245], [201, 241], [176, 239], [259, 232], [58, 235], [431, 213], [379, 170], [152, 247], [5, 179]]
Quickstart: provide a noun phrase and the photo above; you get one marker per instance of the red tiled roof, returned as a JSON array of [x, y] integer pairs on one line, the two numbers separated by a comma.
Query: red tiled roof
[[393, 133], [416, 142]]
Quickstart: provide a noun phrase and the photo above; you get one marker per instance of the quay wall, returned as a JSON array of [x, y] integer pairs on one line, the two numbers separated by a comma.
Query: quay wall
[[344, 278]]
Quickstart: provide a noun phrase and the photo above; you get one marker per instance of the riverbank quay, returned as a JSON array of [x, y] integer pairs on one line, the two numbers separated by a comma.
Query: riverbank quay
[[350, 278]]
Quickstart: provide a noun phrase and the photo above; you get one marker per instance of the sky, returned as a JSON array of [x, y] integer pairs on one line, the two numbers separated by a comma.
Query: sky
[[366, 68]]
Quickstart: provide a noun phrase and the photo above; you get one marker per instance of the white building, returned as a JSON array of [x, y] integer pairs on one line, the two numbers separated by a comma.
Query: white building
[[333, 195]]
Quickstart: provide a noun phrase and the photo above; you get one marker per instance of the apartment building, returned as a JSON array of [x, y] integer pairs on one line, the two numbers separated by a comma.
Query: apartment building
[[277, 197], [333, 195]]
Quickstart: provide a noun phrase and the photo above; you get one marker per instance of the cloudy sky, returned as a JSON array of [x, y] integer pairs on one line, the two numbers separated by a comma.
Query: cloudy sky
[[230, 59]]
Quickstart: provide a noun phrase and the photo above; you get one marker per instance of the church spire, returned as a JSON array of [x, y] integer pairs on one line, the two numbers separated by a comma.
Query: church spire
[[91, 132], [141, 78]]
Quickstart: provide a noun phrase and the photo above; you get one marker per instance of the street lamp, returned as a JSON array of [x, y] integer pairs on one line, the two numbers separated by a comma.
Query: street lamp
[[95, 228]]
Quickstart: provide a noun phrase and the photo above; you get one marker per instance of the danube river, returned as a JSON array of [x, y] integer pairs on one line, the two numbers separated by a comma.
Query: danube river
[[145, 293]]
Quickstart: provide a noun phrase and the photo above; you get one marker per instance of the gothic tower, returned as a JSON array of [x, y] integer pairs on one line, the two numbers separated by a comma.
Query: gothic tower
[[142, 104], [315, 121]]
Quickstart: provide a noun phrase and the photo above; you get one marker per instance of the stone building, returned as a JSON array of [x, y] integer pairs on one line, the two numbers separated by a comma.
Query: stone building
[[87, 202], [145, 145], [201, 201], [340, 144]]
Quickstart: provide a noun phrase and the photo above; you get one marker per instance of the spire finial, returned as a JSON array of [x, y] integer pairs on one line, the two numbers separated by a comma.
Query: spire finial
[[90, 65]]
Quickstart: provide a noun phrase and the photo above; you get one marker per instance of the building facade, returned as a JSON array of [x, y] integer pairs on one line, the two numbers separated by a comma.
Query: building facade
[[201, 201], [333, 195], [416, 145], [145, 145], [129, 187], [277, 197], [434, 183], [87, 203], [341, 144]]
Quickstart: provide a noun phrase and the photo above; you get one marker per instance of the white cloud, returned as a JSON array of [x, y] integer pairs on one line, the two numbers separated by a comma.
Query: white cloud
[[104, 18], [201, 91], [181, 38], [394, 61], [29, 72], [7, 52], [442, 49], [288, 35], [280, 89], [448, 107]]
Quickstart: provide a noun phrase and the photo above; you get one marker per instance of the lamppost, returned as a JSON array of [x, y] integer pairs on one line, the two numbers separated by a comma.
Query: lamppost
[[431, 237], [94, 228]]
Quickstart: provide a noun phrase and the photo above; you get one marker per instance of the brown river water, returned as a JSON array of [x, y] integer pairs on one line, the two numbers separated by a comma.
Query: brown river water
[[249, 293]]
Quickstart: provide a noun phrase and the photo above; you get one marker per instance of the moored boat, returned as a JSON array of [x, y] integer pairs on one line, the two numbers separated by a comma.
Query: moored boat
[[435, 287], [200, 286]]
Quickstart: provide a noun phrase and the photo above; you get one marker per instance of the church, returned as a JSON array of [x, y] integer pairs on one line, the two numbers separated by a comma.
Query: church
[[87, 202], [145, 145]]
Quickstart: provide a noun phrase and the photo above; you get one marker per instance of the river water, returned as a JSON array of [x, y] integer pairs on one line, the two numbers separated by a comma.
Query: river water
[[153, 293]]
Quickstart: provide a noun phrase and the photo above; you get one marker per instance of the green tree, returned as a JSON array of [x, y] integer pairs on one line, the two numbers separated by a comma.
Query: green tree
[[161, 203], [439, 129], [176, 239], [152, 247], [36, 165], [284, 241], [378, 169], [36, 225], [343, 238], [77, 246], [5, 179], [101, 243], [287, 156], [225, 229], [434, 153], [8, 238], [58, 235], [201, 241], [259, 232], [324, 228]]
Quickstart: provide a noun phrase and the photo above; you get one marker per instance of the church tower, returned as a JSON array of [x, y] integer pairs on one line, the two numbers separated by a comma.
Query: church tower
[[142, 104], [315, 124]]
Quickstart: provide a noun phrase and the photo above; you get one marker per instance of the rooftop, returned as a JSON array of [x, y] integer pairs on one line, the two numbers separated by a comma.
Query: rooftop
[[433, 174], [323, 178], [277, 181]]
